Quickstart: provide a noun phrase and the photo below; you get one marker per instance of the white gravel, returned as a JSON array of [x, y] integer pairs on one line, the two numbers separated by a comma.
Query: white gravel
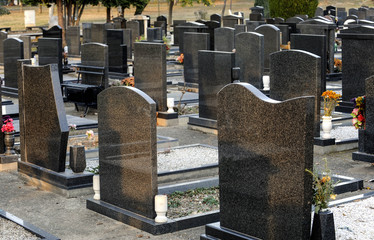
[[345, 132], [355, 220], [10, 230]]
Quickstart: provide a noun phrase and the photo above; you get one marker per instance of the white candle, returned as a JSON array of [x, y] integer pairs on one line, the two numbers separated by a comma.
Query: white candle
[[161, 207]]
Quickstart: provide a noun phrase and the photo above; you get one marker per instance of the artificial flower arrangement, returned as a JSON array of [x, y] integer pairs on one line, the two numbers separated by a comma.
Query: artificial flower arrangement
[[323, 189], [358, 112], [129, 81], [180, 59], [167, 43], [8, 125], [330, 101], [337, 65], [90, 134]]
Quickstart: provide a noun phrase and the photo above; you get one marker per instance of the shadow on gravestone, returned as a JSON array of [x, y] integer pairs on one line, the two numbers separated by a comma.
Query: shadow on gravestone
[[43, 123], [296, 73], [128, 156], [264, 190]]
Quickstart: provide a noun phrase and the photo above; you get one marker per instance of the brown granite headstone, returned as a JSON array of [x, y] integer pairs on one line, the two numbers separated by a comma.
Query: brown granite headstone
[[96, 55], [296, 73], [264, 150], [127, 153], [43, 125]]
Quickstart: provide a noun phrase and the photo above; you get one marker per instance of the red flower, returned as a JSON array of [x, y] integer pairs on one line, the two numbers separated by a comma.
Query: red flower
[[8, 126], [360, 118]]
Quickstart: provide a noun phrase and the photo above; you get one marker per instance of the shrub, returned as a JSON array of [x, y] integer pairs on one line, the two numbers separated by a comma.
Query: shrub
[[287, 8], [4, 11]]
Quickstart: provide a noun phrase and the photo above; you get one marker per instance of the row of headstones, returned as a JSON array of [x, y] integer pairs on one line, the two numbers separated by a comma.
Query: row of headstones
[[364, 12]]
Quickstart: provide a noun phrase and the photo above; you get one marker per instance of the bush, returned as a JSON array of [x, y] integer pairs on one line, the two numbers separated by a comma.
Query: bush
[[286, 8], [4, 11]]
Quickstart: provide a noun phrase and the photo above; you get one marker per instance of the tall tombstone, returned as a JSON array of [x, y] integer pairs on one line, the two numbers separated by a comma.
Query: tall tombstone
[[216, 17], [46, 146], [117, 50], [95, 54], [160, 24], [188, 27], [128, 156], [249, 57], [50, 52], [231, 20], [366, 136], [271, 41], [154, 34], [214, 73], [255, 153], [193, 43], [239, 28], [73, 40], [315, 44], [318, 12], [252, 25], [320, 27], [285, 30], [353, 11], [13, 50], [297, 73], [135, 28], [162, 18], [128, 42], [3, 36], [212, 25], [27, 46], [150, 71], [175, 30], [357, 56], [98, 32], [362, 13], [53, 32], [224, 39], [86, 27]]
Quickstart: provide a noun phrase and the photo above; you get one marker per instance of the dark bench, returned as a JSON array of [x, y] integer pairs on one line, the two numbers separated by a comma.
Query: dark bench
[[84, 94]]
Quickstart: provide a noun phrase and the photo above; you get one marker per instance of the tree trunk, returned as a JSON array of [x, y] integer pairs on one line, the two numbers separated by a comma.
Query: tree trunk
[[170, 19], [123, 12], [40, 8], [230, 5], [79, 15], [21, 6], [223, 11], [108, 14], [60, 12]]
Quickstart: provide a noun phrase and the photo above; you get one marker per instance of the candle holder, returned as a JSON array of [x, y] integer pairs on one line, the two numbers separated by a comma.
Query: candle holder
[[161, 207], [170, 104]]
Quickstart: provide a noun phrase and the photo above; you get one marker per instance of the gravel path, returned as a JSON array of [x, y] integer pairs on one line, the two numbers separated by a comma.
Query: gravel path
[[345, 132], [10, 230]]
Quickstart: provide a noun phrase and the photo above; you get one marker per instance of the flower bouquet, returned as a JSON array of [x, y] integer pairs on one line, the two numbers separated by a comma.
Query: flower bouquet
[[358, 112], [330, 101], [8, 125]]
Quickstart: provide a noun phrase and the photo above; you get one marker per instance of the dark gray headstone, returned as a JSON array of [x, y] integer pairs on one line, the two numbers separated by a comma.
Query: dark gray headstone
[[255, 17], [150, 71], [43, 146], [224, 39], [252, 25], [98, 32], [368, 133], [162, 18], [210, 30], [27, 51], [353, 11], [357, 58], [53, 32], [320, 27], [175, 30], [271, 41], [128, 155], [73, 40], [160, 24], [86, 32], [214, 73], [117, 50], [257, 9], [188, 27], [154, 34], [294, 20], [128, 42], [278, 20], [315, 44], [285, 30], [95, 54], [135, 30], [255, 153], [296, 73], [50, 52], [239, 28], [232, 20], [193, 43], [216, 17], [318, 12], [77, 158], [119, 22], [362, 13], [249, 57], [13, 50], [3, 36]]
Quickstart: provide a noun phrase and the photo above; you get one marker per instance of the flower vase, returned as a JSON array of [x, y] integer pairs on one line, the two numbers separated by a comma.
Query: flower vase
[[266, 83], [323, 226], [9, 143], [96, 186], [326, 126]]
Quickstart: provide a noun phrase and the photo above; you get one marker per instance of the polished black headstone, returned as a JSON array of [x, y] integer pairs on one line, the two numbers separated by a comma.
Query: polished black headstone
[[117, 50], [53, 32], [95, 54], [50, 52], [13, 50], [175, 30], [3, 36], [216, 17], [271, 41], [128, 155], [212, 25]]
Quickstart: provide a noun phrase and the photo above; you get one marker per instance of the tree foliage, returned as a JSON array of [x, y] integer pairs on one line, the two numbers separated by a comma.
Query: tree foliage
[[287, 8], [4, 11], [265, 4]]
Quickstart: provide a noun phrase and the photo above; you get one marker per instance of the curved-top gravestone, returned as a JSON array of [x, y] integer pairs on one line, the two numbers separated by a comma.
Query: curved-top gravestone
[[53, 32], [264, 148], [296, 73], [127, 155], [43, 123], [271, 40]]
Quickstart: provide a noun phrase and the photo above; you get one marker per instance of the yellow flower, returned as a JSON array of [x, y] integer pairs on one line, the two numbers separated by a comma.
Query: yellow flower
[[333, 196]]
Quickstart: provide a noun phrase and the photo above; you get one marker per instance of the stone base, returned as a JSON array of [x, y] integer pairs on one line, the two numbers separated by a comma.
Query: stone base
[[147, 224], [8, 166], [9, 91], [202, 124], [66, 183], [8, 162], [214, 231], [337, 147], [345, 107], [165, 119], [361, 156], [324, 142]]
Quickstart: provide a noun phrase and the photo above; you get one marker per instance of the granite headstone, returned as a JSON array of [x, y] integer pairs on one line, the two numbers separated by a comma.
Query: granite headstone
[[117, 50], [53, 32], [3, 36], [224, 39], [73, 40], [13, 50], [50, 52], [27, 46], [271, 41], [135, 30]]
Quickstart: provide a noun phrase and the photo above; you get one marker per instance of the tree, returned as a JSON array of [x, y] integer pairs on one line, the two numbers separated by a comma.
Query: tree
[[287, 8], [185, 3], [265, 4]]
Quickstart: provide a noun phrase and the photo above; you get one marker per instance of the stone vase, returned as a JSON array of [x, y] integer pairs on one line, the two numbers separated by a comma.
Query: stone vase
[[9, 143], [323, 226], [77, 159], [96, 186], [326, 126]]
